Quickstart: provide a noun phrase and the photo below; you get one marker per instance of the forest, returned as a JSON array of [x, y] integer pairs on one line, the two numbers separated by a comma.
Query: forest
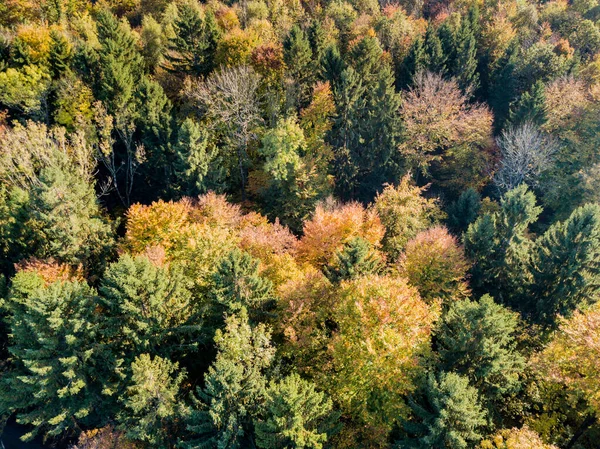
[[312, 224]]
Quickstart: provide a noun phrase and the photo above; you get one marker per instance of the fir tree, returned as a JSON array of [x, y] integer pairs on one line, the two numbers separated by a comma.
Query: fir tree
[[530, 107], [446, 414], [465, 62], [436, 58], [566, 265], [192, 50], [192, 158], [151, 401], [356, 259], [415, 61], [294, 415], [477, 340], [235, 387], [464, 210], [297, 55], [61, 55], [58, 372]]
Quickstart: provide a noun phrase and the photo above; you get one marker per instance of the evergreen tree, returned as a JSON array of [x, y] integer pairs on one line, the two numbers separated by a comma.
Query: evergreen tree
[[477, 340], [294, 416], [415, 61], [192, 50], [297, 55], [151, 401], [446, 414], [500, 248], [566, 265], [436, 58], [58, 372], [465, 62], [356, 259], [503, 86], [238, 284], [464, 210], [61, 55], [235, 387], [193, 158], [530, 107], [146, 309]]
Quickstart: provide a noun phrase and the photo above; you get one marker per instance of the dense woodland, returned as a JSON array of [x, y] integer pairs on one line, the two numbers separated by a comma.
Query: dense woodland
[[300, 223]]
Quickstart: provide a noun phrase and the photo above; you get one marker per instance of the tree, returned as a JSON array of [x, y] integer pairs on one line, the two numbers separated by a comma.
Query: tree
[[404, 212], [526, 154], [478, 340], [356, 259], [294, 416], [500, 248], [194, 45], [382, 331], [59, 375], [435, 264], [446, 414], [572, 357], [151, 401], [297, 54], [523, 438], [25, 90], [566, 265], [531, 107], [193, 158], [146, 309], [444, 136], [237, 285], [230, 99], [235, 387], [60, 56], [464, 210]]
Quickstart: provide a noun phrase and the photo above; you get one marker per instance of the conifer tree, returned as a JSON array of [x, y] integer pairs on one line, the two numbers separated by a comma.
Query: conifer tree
[[415, 61], [192, 158], [566, 265], [294, 415], [58, 372], [464, 210], [436, 58], [446, 415], [146, 309], [60, 56], [297, 55], [235, 387], [192, 50], [356, 259], [151, 401], [477, 340], [530, 107], [238, 284], [465, 62]]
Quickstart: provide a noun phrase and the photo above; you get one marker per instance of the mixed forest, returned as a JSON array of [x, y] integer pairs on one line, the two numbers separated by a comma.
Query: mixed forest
[[299, 224]]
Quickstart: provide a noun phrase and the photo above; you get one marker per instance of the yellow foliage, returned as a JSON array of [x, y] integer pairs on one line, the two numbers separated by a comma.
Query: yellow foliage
[[523, 438]]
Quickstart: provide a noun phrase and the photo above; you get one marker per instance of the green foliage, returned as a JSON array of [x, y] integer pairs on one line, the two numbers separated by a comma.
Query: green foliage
[[446, 414], [151, 402], [193, 158], [61, 55], [530, 107], [25, 90], [477, 340], [464, 210], [356, 259], [58, 365], [294, 414], [235, 387]]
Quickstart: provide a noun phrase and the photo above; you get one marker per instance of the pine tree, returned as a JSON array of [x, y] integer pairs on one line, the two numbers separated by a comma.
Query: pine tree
[[151, 401], [58, 372], [477, 340], [464, 210], [238, 284], [146, 309], [235, 387], [566, 265], [356, 259], [192, 158], [530, 107], [294, 415], [446, 414], [61, 55], [192, 50]]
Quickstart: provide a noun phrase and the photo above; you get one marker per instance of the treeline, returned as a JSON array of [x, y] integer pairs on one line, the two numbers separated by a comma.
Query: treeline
[[285, 224]]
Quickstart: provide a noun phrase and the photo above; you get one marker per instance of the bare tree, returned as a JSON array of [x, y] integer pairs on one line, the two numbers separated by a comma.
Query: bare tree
[[526, 153], [229, 98]]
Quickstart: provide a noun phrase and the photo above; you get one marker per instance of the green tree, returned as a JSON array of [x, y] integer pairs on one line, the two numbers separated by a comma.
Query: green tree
[[566, 265], [193, 158], [192, 49], [356, 259], [294, 414], [58, 372], [237, 284], [297, 55], [436, 58], [530, 107], [477, 340], [61, 55], [446, 414], [464, 210], [465, 61], [235, 387], [146, 309], [151, 401]]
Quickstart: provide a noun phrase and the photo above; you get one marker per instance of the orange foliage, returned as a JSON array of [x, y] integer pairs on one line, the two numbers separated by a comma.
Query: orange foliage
[[50, 271], [332, 225]]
